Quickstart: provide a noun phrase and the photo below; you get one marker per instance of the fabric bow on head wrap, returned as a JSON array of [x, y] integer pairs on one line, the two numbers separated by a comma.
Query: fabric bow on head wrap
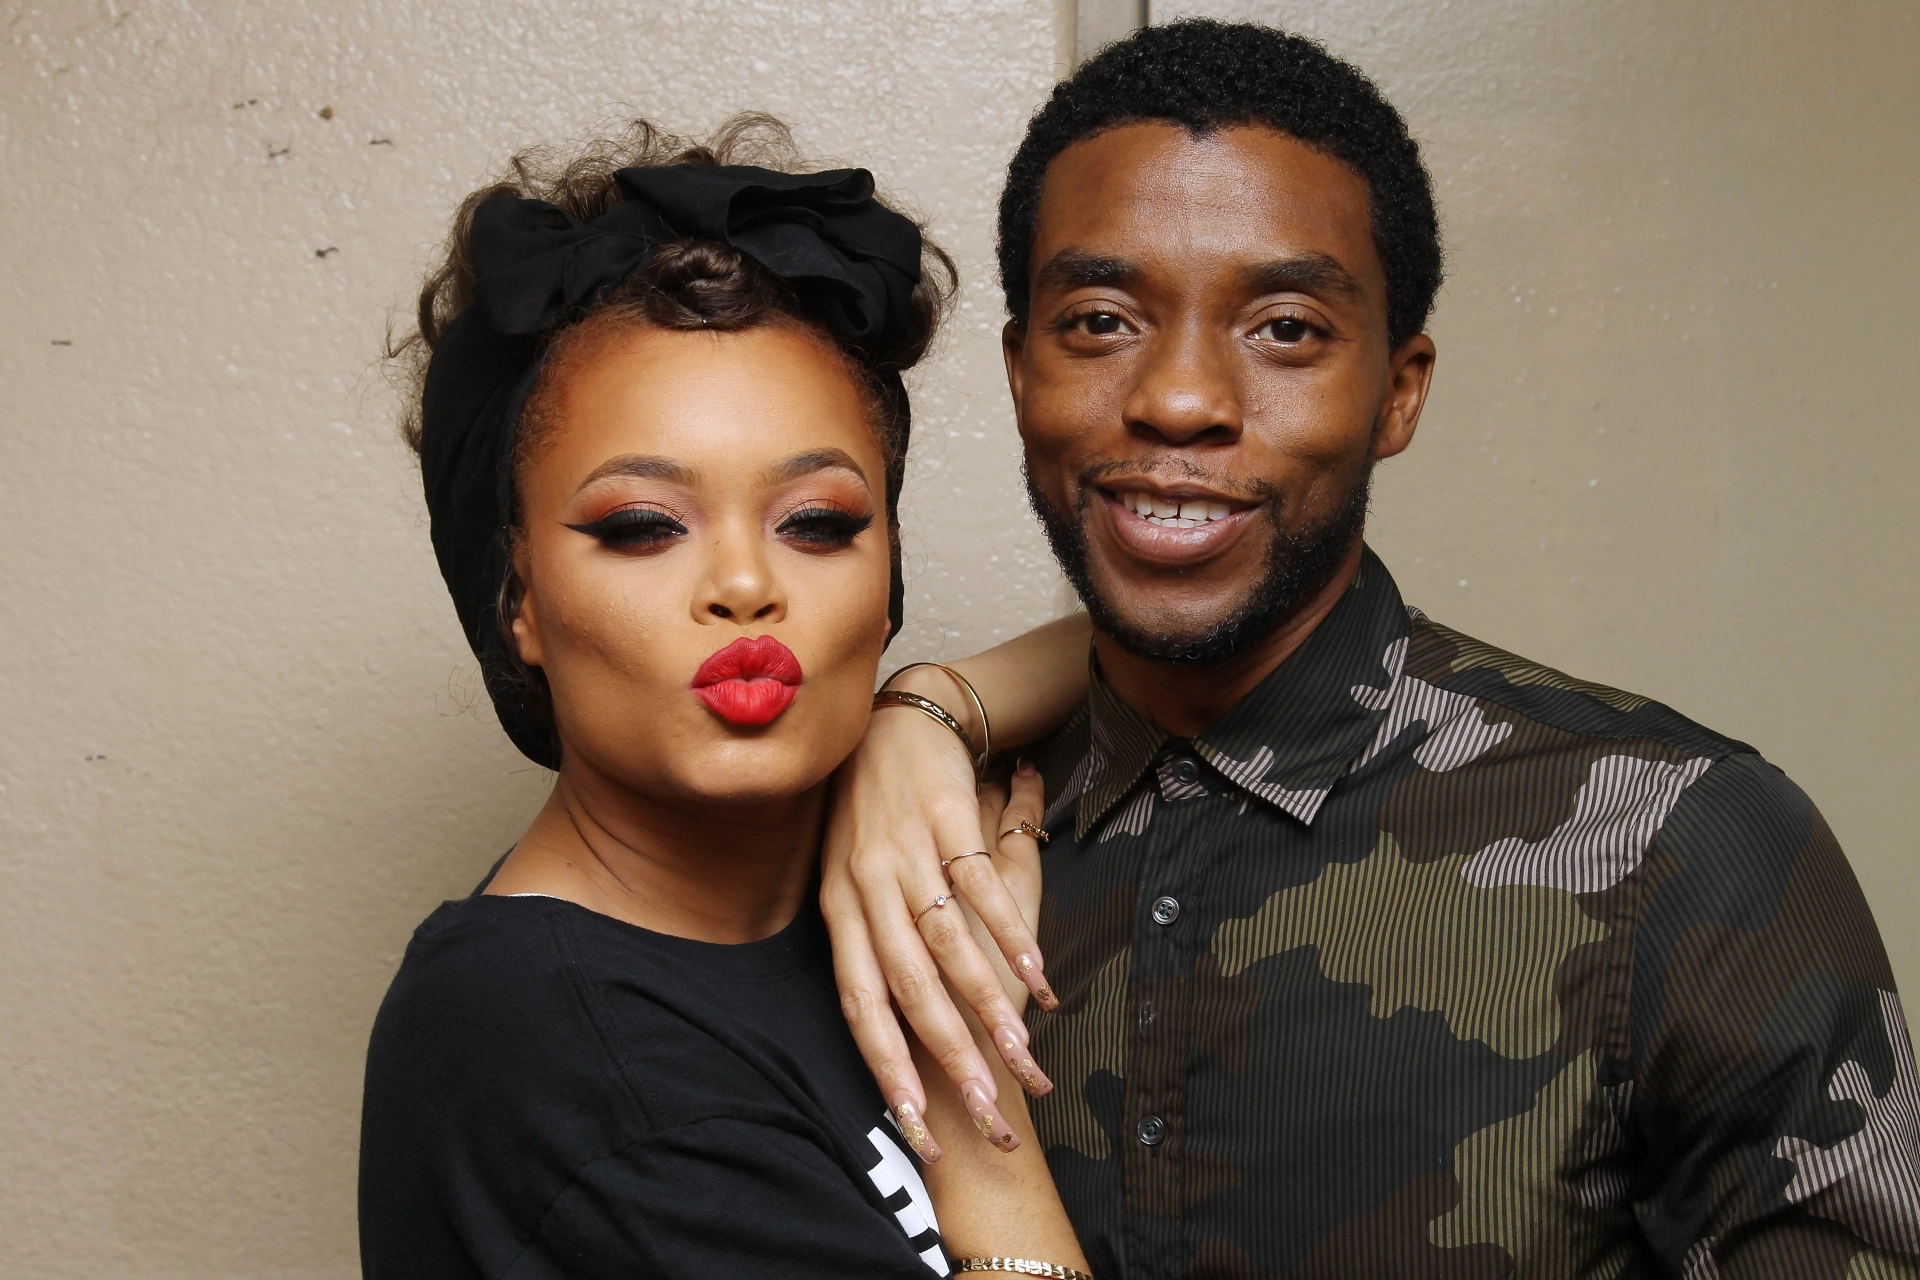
[[852, 262]]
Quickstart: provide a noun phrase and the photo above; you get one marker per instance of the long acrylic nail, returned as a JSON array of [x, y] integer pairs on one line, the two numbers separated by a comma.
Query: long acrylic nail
[[1029, 971], [987, 1118], [1013, 1050], [906, 1114]]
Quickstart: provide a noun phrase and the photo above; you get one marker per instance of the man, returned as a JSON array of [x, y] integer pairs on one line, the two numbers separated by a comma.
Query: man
[[1379, 952]]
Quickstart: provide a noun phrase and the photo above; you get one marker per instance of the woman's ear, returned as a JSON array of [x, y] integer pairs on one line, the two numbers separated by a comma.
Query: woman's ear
[[525, 623]]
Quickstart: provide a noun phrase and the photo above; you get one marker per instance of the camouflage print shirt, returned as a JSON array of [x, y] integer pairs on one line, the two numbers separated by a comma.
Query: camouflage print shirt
[[1428, 961]]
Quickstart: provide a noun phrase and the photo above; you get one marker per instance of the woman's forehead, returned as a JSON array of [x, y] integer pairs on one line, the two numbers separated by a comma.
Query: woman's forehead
[[720, 406]]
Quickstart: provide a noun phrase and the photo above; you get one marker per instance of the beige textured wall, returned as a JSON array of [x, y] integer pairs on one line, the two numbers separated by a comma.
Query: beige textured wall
[[234, 769], [1672, 444]]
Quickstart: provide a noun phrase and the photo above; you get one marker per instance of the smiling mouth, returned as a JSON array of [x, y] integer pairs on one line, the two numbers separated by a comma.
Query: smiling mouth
[[1171, 513], [1176, 527]]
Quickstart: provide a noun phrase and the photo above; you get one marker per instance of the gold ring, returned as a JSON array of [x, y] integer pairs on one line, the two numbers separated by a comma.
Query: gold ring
[[977, 853], [937, 903], [1025, 828]]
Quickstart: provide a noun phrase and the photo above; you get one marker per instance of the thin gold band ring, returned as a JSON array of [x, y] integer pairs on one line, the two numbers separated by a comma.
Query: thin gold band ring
[[1025, 828], [935, 905]]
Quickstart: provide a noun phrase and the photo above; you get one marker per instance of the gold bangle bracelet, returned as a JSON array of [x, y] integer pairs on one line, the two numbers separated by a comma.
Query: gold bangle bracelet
[[973, 696], [1020, 1267], [933, 711]]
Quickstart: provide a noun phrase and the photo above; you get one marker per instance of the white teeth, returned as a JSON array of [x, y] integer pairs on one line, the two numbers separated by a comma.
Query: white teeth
[[1174, 515]]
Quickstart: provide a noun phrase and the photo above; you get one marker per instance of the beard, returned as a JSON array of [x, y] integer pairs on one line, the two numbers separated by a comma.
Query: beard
[[1298, 566]]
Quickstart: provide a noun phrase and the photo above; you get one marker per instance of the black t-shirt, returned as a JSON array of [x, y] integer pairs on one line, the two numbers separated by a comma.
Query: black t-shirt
[[554, 1093]]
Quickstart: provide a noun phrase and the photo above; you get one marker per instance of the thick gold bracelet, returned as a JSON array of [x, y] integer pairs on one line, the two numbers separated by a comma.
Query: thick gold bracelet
[[1021, 1267], [933, 710], [973, 696]]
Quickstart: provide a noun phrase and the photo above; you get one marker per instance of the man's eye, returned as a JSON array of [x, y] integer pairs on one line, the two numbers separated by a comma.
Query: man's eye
[[823, 526], [633, 528], [1285, 329], [1100, 324]]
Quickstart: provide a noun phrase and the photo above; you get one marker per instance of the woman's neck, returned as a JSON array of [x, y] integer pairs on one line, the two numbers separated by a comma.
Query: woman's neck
[[716, 873]]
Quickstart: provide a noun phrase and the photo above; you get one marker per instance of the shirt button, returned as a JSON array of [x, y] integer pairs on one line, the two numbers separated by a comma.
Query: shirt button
[[1146, 1013], [1165, 910], [1185, 771], [1151, 1130]]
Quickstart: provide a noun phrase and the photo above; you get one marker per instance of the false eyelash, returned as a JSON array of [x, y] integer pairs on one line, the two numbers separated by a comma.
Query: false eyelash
[[824, 526], [632, 527]]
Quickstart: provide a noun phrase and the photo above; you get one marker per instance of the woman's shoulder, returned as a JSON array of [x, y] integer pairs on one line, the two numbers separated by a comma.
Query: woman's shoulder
[[482, 958], [489, 1006], [503, 999]]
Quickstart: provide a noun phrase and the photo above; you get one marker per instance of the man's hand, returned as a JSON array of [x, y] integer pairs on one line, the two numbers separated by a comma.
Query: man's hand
[[905, 802]]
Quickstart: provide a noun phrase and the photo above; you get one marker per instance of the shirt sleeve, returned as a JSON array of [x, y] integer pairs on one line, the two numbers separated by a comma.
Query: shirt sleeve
[[726, 1197], [1774, 1091]]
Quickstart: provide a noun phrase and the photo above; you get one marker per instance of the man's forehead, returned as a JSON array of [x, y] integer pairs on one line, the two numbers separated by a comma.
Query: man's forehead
[[1245, 193]]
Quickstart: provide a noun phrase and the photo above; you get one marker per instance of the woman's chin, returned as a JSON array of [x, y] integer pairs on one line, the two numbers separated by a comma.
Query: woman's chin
[[722, 764]]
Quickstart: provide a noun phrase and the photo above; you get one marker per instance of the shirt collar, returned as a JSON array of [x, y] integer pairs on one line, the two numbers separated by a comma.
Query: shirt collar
[[1290, 739]]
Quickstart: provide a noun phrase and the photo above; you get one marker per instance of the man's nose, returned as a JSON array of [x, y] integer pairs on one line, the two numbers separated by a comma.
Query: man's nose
[[1188, 390]]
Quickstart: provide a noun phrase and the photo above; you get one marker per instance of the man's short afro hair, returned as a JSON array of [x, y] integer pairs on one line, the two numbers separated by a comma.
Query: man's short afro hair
[[1208, 75]]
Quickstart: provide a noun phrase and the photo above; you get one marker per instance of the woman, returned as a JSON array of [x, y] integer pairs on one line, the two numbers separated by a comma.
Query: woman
[[662, 432]]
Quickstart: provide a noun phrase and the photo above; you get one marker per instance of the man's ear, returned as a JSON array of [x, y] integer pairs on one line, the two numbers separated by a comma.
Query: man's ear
[[1409, 375], [1013, 348]]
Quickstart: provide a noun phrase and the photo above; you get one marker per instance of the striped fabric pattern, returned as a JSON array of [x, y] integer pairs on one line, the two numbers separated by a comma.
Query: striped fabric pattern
[[1427, 961]]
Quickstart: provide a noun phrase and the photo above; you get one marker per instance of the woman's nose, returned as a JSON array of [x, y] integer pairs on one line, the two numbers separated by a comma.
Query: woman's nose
[[739, 584]]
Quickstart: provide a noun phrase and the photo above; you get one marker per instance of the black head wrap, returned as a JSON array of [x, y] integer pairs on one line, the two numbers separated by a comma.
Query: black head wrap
[[852, 262]]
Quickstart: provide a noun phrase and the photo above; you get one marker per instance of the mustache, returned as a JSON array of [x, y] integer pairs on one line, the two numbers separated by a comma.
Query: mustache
[[1165, 469]]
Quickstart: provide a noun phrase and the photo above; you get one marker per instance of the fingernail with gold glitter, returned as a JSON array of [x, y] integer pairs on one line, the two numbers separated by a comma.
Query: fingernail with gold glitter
[[987, 1118], [1029, 970], [906, 1114], [1013, 1050]]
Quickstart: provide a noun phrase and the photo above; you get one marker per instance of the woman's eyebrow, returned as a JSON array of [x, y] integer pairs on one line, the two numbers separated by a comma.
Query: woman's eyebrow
[[642, 467], [805, 464]]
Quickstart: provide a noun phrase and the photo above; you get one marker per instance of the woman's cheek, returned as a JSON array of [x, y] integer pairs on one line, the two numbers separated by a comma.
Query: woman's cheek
[[612, 615]]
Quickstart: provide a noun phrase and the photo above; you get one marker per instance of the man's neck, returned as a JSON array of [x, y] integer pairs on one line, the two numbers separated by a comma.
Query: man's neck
[[715, 873], [1185, 699]]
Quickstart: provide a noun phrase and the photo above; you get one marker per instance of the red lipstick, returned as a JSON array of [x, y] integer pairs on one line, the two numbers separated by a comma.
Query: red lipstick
[[749, 681]]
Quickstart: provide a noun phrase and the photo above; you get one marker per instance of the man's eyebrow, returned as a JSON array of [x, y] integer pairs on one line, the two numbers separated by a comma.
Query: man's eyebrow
[[1078, 269], [805, 464], [642, 467], [1309, 273]]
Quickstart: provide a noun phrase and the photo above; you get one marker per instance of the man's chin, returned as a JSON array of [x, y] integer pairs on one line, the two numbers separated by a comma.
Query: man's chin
[[1151, 618], [1167, 617]]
